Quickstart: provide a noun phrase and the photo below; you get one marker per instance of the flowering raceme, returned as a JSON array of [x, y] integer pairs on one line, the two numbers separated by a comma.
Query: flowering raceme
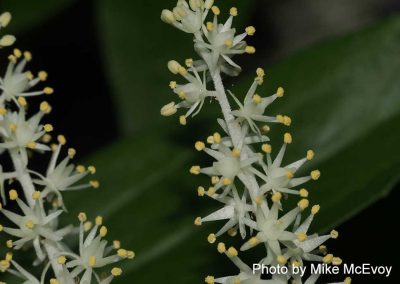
[[246, 178], [34, 223]]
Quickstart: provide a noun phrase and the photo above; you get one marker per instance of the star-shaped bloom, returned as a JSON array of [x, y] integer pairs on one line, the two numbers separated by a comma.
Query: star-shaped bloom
[[17, 82], [34, 224]]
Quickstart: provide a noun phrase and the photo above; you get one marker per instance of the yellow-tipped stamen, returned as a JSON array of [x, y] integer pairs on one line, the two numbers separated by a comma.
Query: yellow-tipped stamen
[[301, 237], [310, 155], [197, 221], [328, 258], [92, 169], [211, 191], [195, 170], [215, 10], [82, 217], [9, 244], [45, 107], [116, 271], [99, 220], [315, 174], [266, 148], [61, 139], [200, 191], [281, 259], [303, 204], [22, 101], [42, 76], [257, 99], [280, 92], [199, 146], [250, 49], [48, 90], [232, 252], [287, 138], [233, 11], [217, 138], [211, 238], [250, 30], [13, 194], [221, 247], [303, 192], [334, 234], [182, 120], [315, 209], [209, 279], [36, 195], [48, 128], [61, 259], [103, 231], [94, 183], [337, 261], [276, 197], [210, 26]]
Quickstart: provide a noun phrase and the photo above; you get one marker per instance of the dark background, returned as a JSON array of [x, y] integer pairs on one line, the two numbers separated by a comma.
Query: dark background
[[69, 51]]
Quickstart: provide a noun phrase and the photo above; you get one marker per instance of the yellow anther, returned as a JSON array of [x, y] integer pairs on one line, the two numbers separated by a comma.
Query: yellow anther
[[3, 111], [215, 10], [289, 174], [61, 259], [260, 72], [232, 232], [92, 261], [315, 209], [169, 109], [296, 263], [301, 237], [122, 253], [131, 254], [310, 155], [337, 261], [99, 220], [315, 174], [199, 145], [182, 95], [303, 192], [29, 75], [217, 138], [9, 256], [174, 66], [287, 138], [323, 249], [22, 101], [209, 279], [172, 85], [87, 226], [210, 26], [281, 259], [31, 145], [92, 169], [287, 120], [4, 265], [103, 231], [257, 99], [61, 139], [211, 191], [9, 244], [197, 221], [232, 252], [13, 194], [80, 169], [48, 90], [17, 53], [189, 62], [258, 200], [221, 247], [334, 234], [226, 181], [253, 241], [200, 191], [214, 179], [233, 11], [116, 244], [303, 204], [210, 140], [266, 148], [280, 118], [116, 271], [280, 92], [42, 75], [228, 43], [45, 107], [328, 258], [236, 153], [46, 138], [82, 217], [11, 57], [276, 197], [250, 30], [5, 19], [28, 56], [250, 49], [29, 224], [94, 183], [265, 128], [195, 170], [12, 126], [167, 16], [48, 127], [36, 195], [347, 280], [211, 238], [182, 120], [54, 281]]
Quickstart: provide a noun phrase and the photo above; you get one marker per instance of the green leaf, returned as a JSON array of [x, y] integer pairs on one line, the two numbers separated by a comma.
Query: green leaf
[[137, 47], [28, 13]]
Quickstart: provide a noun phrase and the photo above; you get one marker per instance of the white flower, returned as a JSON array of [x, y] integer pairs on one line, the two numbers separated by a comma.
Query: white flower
[[33, 225], [236, 210], [17, 82], [272, 231], [93, 252], [20, 133], [186, 17], [63, 176], [280, 178], [254, 106]]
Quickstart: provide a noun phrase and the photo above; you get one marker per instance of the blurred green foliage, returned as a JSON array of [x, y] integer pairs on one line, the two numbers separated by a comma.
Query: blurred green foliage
[[343, 96]]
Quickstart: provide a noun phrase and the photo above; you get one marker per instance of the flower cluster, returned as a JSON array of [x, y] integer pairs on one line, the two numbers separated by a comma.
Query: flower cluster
[[33, 221], [246, 178]]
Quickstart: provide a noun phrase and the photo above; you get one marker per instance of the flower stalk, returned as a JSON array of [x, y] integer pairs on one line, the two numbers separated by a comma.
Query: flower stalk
[[245, 178]]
